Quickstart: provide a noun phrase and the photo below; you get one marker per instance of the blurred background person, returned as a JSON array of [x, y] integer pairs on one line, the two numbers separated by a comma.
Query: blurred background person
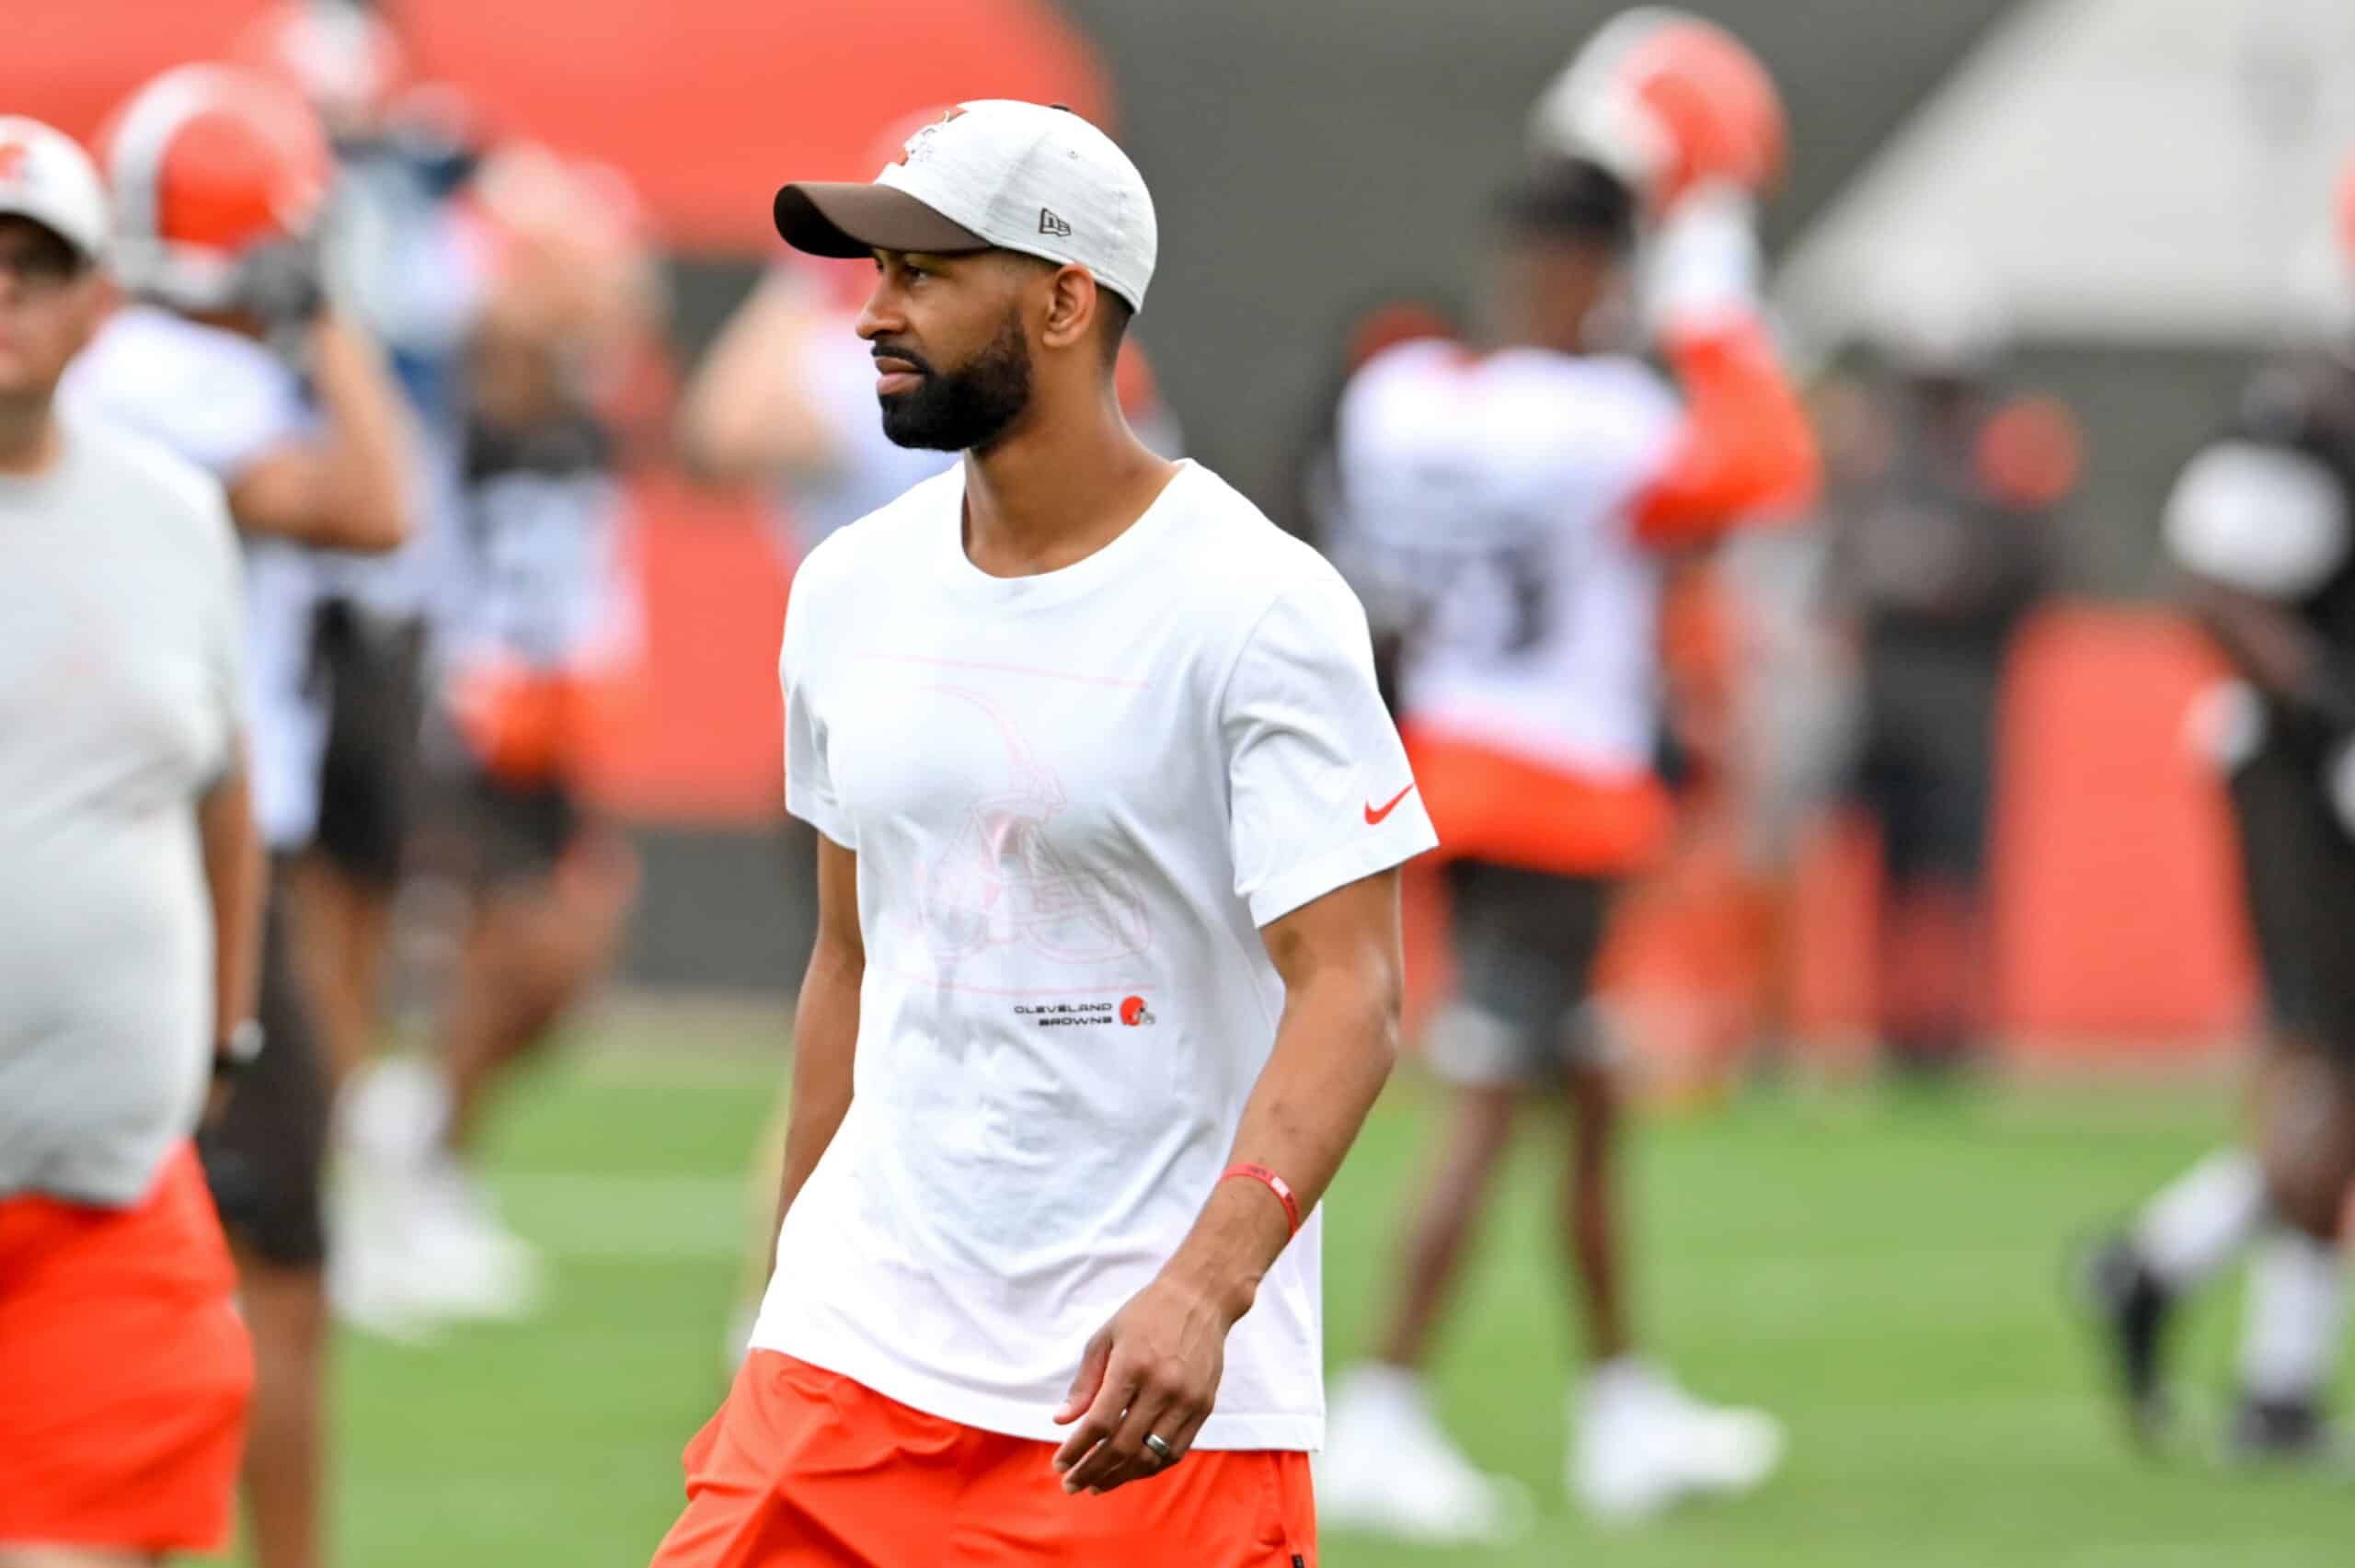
[[1509, 512], [2261, 530], [1942, 541], [396, 254], [1310, 485], [230, 354], [128, 935], [540, 646]]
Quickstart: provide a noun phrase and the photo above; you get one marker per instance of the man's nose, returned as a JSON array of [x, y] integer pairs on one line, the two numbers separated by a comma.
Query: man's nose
[[881, 312]]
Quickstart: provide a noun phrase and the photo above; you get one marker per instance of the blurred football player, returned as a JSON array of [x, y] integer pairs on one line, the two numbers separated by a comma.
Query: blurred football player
[[541, 641], [232, 355], [398, 256], [1508, 515], [2261, 530], [1942, 540], [128, 933]]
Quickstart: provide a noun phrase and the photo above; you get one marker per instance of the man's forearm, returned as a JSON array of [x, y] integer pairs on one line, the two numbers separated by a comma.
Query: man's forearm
[[1333, 1050], [369, 427], [826, 1045], [235, 878]]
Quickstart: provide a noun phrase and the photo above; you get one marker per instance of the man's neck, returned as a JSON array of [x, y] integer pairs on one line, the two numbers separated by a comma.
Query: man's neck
[[28, 436], [1057, 489]]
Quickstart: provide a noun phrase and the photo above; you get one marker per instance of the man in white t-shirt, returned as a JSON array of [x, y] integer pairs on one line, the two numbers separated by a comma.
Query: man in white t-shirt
[[129, 894], [230, 356], [1108, 965]]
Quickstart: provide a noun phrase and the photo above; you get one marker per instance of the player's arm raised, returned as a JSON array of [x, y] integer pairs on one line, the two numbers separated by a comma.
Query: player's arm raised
[[1155, 1366], [1744, 446], [825, 1023], [746, 417], [348, 489]]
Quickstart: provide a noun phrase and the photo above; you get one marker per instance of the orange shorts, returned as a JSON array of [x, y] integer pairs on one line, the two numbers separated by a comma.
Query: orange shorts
[[125, 1371], [804, 1468], [1486, 805]]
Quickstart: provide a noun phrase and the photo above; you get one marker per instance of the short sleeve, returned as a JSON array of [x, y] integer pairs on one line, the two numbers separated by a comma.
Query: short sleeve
[[808, 780], [218, 400], [2267, 520], [1318, 791]]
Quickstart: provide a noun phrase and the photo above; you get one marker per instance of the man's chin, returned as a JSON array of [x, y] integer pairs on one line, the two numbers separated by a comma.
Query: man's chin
[[901, 429]]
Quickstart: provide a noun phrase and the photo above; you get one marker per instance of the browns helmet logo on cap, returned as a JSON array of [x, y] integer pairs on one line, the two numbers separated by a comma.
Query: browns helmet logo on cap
[[914, 146]]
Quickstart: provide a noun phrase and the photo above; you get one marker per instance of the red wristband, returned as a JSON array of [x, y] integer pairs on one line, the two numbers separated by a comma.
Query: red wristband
[[1272, 1182]]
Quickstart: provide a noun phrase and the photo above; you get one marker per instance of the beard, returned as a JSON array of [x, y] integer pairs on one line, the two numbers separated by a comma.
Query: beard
[[970, 407]]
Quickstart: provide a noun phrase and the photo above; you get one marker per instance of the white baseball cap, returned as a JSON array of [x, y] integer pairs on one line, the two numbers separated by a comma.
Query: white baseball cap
[[45, 175], [996, 173]]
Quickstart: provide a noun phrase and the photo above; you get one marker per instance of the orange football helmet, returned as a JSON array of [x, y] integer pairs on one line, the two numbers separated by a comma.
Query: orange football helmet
[[1666, 100], [209, 163]]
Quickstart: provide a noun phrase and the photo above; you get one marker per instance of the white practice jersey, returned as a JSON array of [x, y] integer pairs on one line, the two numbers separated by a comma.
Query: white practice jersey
[[222, 401], [544, 580], [1486, 508]]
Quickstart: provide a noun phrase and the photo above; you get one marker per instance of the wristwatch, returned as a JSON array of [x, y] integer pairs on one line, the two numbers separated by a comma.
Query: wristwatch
[[236, 1050]]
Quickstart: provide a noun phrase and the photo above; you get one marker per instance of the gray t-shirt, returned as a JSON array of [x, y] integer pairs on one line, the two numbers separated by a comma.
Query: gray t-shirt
[[120, 707]]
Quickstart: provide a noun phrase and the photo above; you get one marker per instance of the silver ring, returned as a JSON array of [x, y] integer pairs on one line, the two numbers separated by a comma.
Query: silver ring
[[1161, 1451]]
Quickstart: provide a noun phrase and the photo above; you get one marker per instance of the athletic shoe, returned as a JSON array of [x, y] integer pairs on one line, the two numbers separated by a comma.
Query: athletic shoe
[[2133, 1309], [1640, 1445], [1387, 1469], [470, 1265], [2279, 1431]]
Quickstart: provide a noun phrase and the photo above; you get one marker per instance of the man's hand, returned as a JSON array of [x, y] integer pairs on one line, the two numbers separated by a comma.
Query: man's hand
[[1153, 1369]]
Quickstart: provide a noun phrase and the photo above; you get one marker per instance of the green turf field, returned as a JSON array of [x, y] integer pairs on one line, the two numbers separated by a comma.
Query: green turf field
[[1885, 1276]]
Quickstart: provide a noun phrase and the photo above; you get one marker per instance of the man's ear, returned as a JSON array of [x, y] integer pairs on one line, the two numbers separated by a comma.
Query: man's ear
[[1071, 307]]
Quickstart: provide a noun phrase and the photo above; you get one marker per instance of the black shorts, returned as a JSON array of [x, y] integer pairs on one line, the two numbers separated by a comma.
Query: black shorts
[[1926, 763], [499, 833], [1525, 944], [373, 670], [2298, 862], [266, 1156]]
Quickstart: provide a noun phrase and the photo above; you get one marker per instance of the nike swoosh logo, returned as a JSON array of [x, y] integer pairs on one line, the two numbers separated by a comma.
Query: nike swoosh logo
[[1374, 816]]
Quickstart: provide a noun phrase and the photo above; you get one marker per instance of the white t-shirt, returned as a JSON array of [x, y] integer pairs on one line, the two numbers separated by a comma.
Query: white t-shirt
[[1484, 505], [1075, 798], [224, 402], [120, 707]]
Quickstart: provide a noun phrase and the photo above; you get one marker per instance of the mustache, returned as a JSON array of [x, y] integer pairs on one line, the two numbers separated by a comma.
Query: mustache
[[883, 351]]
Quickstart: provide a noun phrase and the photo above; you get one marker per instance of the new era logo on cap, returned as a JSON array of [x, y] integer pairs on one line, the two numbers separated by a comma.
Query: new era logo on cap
[[991, 174]]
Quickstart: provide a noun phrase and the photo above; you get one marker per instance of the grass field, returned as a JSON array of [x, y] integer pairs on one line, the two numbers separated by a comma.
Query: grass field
[[1885, 1275]]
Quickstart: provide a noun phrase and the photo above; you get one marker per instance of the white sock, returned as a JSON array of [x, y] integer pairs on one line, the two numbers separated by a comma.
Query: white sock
[[396, 1111], [2297, 1304], [2200, 1222]]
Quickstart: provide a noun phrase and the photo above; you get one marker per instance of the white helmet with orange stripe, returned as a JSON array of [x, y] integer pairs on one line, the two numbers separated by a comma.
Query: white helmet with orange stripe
[[1666, 100], [213, 168]]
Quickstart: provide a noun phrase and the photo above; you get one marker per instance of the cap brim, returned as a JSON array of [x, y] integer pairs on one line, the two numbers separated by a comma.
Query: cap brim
[[33, 212], [838, 218]]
